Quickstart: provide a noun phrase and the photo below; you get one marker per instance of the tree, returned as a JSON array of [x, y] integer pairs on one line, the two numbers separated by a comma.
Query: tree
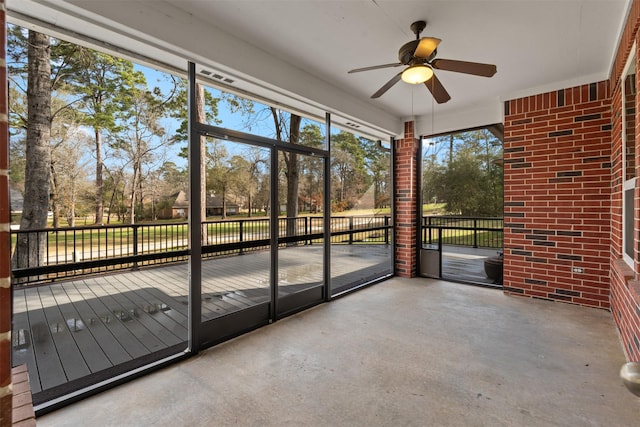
[[101, 81], [141, 136], [351, 179], [287, 128], [219, 172], [246, 175], [68, 170], [377, 162], [206, 112], [61, 57], [30, 248], [469, 181], [175, 178], [114, 188], [311, 168], [17, 139]]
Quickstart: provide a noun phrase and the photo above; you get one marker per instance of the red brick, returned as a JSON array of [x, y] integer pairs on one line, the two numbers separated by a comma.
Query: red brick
[[569, 205]]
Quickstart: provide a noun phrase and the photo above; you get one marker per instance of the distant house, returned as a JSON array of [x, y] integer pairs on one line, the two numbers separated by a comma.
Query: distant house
[[180, 206]]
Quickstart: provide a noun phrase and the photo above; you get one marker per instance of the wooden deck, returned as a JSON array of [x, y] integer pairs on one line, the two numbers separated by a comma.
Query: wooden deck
[[75, 333]]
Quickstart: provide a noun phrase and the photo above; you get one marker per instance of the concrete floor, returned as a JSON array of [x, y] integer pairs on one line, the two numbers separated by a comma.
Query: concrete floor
[[410, 352]]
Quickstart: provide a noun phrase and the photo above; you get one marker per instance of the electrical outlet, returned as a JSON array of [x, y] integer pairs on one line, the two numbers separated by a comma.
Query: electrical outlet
[[578, 270]]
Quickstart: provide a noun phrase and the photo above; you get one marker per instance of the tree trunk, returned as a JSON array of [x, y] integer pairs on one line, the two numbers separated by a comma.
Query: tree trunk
[[113, 195], [450, 149], [54, 194], [30, 246], [201, 117], [72, 210], [99, 183], [224, 202], [134, 192], [293, 175]]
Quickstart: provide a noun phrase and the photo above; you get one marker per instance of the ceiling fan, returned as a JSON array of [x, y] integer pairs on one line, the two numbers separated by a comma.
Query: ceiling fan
[[419, 55]]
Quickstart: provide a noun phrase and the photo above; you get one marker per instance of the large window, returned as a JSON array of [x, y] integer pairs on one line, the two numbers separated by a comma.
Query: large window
[[629, 91], [152, 228]]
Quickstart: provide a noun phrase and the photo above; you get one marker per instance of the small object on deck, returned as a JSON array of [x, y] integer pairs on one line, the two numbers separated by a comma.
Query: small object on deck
[[493, 267], [630, 374]]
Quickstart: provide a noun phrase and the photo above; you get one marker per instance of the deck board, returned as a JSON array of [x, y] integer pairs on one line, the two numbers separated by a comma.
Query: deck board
[[22, 339], [142, 304], [135, 319], [111, 346], [133, 347], [153, 300], [50, 371], [90, 349], [69, 353]]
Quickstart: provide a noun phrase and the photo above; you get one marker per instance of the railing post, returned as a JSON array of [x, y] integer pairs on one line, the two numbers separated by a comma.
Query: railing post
[[475, 232], [429, 228], [439, 252], [307, 241], [351, 230], [386, 230], [135, 245], [241, 222]]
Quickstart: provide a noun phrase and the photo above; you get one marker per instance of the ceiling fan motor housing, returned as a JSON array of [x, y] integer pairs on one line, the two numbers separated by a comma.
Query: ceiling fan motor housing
[[405, 54]]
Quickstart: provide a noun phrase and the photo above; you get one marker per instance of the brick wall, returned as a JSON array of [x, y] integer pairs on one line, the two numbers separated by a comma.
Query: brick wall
[[557, 188], [625, 288], [405, 194]]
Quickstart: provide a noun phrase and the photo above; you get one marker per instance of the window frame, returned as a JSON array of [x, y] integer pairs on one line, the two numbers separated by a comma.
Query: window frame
[[628, 184]]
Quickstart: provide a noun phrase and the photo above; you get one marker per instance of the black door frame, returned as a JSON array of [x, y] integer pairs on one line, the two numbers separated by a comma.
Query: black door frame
[[206, 334]]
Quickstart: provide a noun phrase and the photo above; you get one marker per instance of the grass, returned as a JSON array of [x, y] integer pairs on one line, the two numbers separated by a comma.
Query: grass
[[433, 209]]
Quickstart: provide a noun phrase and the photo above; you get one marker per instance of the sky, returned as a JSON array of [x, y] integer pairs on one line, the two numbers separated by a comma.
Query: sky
[[230, 120]]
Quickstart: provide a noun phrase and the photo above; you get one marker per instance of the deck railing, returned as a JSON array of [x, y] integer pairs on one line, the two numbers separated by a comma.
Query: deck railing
[[463, 231], [70, 252]]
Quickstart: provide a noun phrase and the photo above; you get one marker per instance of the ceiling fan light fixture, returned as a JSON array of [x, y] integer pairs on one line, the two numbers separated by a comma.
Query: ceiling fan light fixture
[[417, 74]]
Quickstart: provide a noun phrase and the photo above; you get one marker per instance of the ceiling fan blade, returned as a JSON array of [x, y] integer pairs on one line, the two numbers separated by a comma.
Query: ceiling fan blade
[[374, 67], [475, 68], [426, 47], [438, 91], [387, 86]]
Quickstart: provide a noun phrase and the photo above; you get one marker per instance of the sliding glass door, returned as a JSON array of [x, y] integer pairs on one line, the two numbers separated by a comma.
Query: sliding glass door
[[300, 254], [236, 239]]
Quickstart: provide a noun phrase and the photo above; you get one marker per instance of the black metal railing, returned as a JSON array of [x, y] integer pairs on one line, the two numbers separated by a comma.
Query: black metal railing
[[68, 252], [65, 252], [463, 231]]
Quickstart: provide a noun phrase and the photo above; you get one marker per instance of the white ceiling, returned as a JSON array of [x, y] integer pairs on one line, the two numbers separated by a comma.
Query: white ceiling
[[298, 52]]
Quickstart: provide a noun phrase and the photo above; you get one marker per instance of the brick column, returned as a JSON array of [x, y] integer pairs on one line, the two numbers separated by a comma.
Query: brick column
[[5, 220], [405, 196]]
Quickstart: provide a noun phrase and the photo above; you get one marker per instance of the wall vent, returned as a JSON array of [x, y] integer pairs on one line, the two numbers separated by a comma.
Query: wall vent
[[217, 76]]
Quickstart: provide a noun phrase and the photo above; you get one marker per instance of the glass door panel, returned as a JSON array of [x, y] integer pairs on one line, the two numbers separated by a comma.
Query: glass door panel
[[236, 256], [361, 225], [300, 255]]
